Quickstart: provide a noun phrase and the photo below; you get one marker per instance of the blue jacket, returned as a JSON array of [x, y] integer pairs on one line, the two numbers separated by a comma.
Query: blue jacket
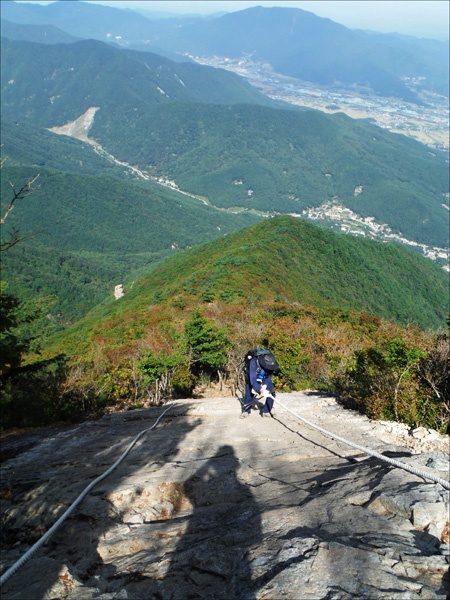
[[258, 377]]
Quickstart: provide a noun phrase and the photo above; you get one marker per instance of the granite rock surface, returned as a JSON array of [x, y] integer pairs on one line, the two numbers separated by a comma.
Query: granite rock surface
[[208, 505]]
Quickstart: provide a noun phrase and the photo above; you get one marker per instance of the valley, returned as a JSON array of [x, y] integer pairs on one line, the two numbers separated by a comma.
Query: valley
[[331, 213], [427, 123]]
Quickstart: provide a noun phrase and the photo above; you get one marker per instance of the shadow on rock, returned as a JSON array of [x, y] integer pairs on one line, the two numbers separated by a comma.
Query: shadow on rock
[[210, 560], [79, 557]]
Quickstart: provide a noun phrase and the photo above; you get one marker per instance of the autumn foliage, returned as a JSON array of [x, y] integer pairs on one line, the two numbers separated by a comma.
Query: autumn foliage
[[381, 369]]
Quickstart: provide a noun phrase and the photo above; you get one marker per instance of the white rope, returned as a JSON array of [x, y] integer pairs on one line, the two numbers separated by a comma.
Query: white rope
[[4, 578], [391, 461]]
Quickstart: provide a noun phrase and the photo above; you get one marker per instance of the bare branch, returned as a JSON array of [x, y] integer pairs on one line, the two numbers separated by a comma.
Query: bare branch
[[14, 239], [24, 191]]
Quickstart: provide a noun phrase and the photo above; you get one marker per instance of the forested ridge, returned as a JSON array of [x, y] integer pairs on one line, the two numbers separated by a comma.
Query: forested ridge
[[316, 298]]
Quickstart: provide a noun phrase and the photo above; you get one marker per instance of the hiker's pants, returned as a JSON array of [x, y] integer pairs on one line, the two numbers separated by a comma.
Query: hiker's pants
[[268, 405], [249, 400]]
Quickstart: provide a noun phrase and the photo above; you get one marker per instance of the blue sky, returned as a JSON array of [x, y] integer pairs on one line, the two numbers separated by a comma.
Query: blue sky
[[429, 18]]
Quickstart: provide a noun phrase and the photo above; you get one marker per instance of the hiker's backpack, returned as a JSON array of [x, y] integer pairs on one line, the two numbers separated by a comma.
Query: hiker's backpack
[[266, 361]]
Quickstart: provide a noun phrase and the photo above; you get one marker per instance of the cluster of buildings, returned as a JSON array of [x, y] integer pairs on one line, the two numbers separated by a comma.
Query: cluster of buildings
[[352, 223], [427, 122]]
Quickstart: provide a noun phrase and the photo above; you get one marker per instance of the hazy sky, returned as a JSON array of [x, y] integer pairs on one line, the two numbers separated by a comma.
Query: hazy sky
[[420, 18]]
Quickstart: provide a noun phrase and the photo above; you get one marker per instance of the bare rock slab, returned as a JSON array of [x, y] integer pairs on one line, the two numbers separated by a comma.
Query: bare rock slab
[[208, 505]]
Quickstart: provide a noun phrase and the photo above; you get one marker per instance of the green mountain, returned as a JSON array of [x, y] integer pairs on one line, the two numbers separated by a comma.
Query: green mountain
[[84, 231], [208, 130], [49, 85], [283, 259], [296, 261], [42, 34], [254, 157], [89, 226]]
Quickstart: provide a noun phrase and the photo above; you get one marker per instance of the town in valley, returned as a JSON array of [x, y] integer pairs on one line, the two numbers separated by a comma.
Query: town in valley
[[427, 123]]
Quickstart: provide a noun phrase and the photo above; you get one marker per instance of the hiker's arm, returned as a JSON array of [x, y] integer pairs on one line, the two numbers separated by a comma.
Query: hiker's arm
[[252, 376], [268, 389]]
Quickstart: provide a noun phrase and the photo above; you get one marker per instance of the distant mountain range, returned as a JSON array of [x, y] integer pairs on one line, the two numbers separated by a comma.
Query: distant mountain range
[[295, 42], [300, 44]]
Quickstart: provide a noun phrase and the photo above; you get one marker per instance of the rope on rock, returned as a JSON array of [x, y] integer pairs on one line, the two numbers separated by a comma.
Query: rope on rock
[[391, 461], [16, 566]]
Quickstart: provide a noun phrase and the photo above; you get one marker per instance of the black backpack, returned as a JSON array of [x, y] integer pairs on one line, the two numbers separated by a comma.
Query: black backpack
[[266, 361]]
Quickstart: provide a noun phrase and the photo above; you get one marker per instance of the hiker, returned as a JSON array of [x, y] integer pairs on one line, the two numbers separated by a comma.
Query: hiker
[[259, 366]]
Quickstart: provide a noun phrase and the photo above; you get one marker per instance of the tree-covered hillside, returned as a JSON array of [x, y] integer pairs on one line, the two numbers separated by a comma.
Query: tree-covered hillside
[[86, 233], [33, 147], [284, 260], [90, 225], [290, 260], [255, 157], [185, 122], [50, 85]]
